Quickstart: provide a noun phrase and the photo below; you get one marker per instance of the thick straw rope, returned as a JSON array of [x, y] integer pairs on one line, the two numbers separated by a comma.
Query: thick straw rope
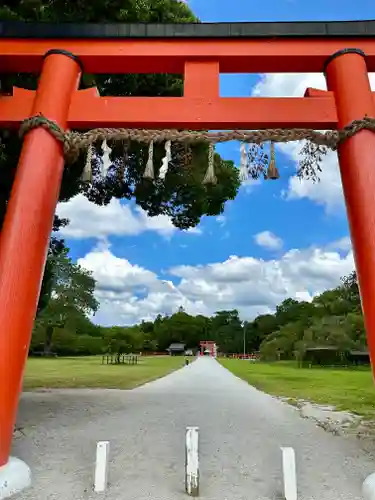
[[75, 142]]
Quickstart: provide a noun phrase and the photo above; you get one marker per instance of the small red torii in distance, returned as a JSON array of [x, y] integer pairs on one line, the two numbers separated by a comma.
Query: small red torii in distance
[[345, 51]]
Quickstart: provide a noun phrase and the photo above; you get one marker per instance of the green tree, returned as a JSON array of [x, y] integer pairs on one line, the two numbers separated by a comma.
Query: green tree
[[351, 291], [150, 342], [341, 300], [56, 248], [281, 344], [227, 331], [123, 340], [332, 320], [259, 329], [182, 196], [353, 325], [72, 295], [328, 331], [179, 327], [176, 328]]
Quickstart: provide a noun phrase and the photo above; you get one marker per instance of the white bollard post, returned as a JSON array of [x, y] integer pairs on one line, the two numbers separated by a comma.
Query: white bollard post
[[101, 466], [289, 473], [192, 462], [368, 487]]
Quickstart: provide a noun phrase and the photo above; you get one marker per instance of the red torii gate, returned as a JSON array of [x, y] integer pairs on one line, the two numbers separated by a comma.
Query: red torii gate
[[344, 51], [210, 345]]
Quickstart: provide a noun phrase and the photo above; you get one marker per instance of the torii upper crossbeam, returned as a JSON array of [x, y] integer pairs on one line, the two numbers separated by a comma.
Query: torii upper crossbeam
[[345, 52]]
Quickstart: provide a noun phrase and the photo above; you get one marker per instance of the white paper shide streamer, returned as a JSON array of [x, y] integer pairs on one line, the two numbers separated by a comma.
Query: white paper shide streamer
[[106, 160], [167, 158], [87, 171], [210, 177], [149, 170]]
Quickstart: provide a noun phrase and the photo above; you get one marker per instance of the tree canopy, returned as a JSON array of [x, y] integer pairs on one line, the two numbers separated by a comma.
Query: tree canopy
[[182, 196], [70, 299], [333, 319]]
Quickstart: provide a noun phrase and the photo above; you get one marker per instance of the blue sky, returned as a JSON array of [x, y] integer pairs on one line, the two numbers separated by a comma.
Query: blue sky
[[304, 248], [216, 11]]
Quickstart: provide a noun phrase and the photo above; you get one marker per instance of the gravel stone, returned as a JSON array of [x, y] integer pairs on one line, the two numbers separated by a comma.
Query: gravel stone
[[241, 432]]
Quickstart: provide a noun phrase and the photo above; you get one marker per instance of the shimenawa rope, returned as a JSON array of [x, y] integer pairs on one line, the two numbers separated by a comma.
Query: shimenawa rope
[[74, 142]]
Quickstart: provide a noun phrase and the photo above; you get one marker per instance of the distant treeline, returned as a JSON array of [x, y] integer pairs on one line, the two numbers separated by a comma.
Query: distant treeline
[[332, 320]]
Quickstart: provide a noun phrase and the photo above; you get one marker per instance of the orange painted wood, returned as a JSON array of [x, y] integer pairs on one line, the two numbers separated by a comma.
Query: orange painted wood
[[311, 92], [169, 56], [88, 110], [202, 79], [347, 78], [15, 108], [25, 234]]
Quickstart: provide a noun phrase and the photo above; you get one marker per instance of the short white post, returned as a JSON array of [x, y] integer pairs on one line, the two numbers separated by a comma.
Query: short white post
[[101, 466], [289, 473], [368, 488], [192, 462]]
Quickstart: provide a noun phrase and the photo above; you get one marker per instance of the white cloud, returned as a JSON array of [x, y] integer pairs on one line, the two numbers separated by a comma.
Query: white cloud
[[249, 184], [287, 84], [129, 293], [221, 219], [268, 240], [343, 244], [327, 192], [88, 220]]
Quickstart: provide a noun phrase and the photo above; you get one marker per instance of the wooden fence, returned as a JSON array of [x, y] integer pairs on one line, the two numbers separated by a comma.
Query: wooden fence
[[119, 359]]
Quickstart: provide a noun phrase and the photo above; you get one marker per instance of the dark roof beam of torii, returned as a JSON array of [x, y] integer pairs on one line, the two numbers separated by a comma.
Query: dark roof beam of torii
[[165, 48], [297, 29]]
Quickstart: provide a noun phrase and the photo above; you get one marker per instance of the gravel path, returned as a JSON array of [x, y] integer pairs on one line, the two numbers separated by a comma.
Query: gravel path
[[241, 431]]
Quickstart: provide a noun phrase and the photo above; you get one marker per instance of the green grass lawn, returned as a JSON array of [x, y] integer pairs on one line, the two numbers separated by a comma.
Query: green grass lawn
[[89, 372], [346, 389]]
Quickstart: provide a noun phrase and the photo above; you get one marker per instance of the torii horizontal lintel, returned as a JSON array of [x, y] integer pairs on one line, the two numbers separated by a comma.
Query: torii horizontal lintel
[[169, 56], [88, 110]]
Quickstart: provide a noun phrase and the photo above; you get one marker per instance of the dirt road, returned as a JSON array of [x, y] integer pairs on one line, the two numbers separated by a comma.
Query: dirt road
[[241, 432]]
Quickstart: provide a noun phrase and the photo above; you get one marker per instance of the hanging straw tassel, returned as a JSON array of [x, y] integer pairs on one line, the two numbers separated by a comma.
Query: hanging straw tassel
[[244, 167], [87, 171], [210, 177], [149, 170], [167, 158], [188, 155], [272, 170]]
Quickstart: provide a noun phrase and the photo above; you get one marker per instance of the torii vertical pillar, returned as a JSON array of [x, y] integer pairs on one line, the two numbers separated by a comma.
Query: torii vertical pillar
[[347, 77], [24, 244]]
